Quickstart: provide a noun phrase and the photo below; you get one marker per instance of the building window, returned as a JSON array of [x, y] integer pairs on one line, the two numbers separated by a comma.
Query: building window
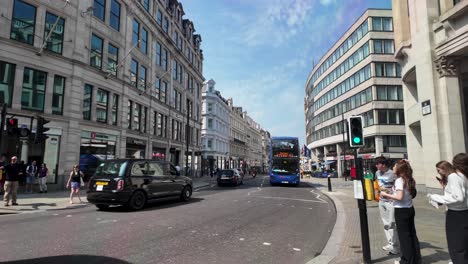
[[174, 70], [389, 93], [142, 78], [382, 24], [136, 116], [394, 141], [129, 114], [157, 89], [210, 107], [115, 15], [175, 37], [159, 17], [159, 125], [115, 108], [144, 40], [164, 59], [7, 79], [23, 22], [87, 99], [33, 93], [133, 73], [210, 123], [166, 25], [146, 4], [209, 143], [180, 73], [100, 9], [391, 117], [163, 92], [55, 41], [158, 54], [57, 95], [112, 59], [389, 69], [102, 99], [136, 32], [96, 52]]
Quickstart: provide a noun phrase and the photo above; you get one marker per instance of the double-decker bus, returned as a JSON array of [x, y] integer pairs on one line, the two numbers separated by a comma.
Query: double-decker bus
[[285, 160]]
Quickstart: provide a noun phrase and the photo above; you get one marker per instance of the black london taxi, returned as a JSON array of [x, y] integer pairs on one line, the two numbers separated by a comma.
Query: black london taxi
[[132, 182]]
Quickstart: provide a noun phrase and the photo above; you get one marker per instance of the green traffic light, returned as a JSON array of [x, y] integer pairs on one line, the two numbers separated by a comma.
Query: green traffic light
[[356, 140]]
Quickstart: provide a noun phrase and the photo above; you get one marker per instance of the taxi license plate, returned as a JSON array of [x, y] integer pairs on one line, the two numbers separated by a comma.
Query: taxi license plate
[[102, 183], [284, 182]]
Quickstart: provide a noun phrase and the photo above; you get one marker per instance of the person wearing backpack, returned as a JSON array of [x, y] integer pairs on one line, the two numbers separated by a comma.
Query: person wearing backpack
[[75, 181], [455, 182], [31, 174]]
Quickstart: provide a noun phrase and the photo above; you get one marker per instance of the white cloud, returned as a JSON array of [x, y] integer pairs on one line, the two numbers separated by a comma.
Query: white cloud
[[278, 23]]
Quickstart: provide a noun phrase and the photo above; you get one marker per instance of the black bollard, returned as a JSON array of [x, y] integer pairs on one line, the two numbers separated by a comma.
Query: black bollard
[[329, 184]]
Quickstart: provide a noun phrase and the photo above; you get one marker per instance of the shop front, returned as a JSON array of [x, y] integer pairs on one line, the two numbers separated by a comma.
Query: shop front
[[158, 151], [135, 148], [94, 148]]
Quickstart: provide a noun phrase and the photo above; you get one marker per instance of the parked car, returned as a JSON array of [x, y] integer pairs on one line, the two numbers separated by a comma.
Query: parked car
[[132, 182], [229, 176]]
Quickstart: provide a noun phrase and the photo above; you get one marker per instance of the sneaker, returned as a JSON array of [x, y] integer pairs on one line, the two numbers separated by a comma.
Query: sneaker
[[387, 247], [393, 252], [14, 204], [7, 204]]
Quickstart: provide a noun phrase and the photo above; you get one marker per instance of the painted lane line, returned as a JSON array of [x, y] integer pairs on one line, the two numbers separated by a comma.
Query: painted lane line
[[266, 244], [318, 196], [296, 249], [69, 216], [292, 199], [241, 239]]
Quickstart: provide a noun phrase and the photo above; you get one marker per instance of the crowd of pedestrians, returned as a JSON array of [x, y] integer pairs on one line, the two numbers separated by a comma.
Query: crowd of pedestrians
[[397, 189], [14, 172]]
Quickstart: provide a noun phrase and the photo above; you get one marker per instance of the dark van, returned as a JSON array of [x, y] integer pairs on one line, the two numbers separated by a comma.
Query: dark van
[[132, 182]]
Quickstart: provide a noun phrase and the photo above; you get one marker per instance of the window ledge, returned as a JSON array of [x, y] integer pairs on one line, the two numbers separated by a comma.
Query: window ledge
[[458, 10]]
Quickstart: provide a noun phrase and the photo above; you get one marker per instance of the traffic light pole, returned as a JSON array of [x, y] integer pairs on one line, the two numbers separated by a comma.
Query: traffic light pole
[[362, 212]]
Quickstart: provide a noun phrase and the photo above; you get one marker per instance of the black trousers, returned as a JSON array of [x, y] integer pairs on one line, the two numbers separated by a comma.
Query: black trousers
[[456, 227], [409, 243]]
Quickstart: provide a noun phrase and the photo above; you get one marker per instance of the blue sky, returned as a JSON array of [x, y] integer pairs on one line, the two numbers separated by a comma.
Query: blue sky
[[260, 52]]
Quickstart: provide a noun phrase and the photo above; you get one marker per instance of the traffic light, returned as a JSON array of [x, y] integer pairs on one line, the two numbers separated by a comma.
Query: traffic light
[[40, 130], [355, 134], [12, 126]]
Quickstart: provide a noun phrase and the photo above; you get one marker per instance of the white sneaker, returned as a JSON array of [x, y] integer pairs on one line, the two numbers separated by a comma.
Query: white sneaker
[[396, 262], [387, 247]]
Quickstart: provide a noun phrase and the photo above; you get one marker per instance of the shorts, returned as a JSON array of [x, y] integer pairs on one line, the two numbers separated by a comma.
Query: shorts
[[75, 185], [30, 180]]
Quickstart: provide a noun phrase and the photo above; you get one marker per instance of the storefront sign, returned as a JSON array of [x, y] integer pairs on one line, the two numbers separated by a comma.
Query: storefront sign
[[98, 136]]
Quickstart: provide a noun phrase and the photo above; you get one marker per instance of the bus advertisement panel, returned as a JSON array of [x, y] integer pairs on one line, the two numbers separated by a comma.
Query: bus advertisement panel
[[285, 160]]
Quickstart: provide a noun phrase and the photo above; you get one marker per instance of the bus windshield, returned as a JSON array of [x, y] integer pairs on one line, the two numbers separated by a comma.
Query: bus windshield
[[284, 167], [285, 148]]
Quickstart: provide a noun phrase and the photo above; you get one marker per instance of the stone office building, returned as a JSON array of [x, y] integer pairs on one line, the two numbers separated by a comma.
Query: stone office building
[[116, 79]]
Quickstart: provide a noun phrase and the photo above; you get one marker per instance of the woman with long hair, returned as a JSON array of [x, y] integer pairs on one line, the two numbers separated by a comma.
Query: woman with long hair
[[404, 212], [75, 181], [455, 198]]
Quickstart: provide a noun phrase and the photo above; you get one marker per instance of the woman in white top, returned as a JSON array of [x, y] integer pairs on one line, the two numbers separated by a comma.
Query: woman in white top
[[404, 212], [455, 198]]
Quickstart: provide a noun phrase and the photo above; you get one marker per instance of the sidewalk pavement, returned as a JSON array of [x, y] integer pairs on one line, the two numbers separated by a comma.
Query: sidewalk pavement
[[60, 200], [344, 245]]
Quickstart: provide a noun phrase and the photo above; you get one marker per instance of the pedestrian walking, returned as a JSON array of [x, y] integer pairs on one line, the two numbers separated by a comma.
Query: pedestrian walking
[[3, 162], [42, 178], [403, 194], [386, 179], [13, 174], [456, 199], [31, 174], [75, 181]]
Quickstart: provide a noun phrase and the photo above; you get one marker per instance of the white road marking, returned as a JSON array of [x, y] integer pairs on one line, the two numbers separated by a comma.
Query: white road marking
[[170, 227], [98, 219], [107, 221], [194, 231], [132, 223], [296, 249], [292, 199], [318, 196], [236, 200], [266, 244], [241, 239], [69, 215], [55, 214]]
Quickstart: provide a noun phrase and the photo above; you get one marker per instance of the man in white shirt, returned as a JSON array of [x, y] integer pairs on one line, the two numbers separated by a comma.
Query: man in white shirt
[[31, 173], [386, 179]]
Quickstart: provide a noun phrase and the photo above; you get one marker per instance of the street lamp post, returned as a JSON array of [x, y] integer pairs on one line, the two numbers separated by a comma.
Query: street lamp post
[[187, 134]]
